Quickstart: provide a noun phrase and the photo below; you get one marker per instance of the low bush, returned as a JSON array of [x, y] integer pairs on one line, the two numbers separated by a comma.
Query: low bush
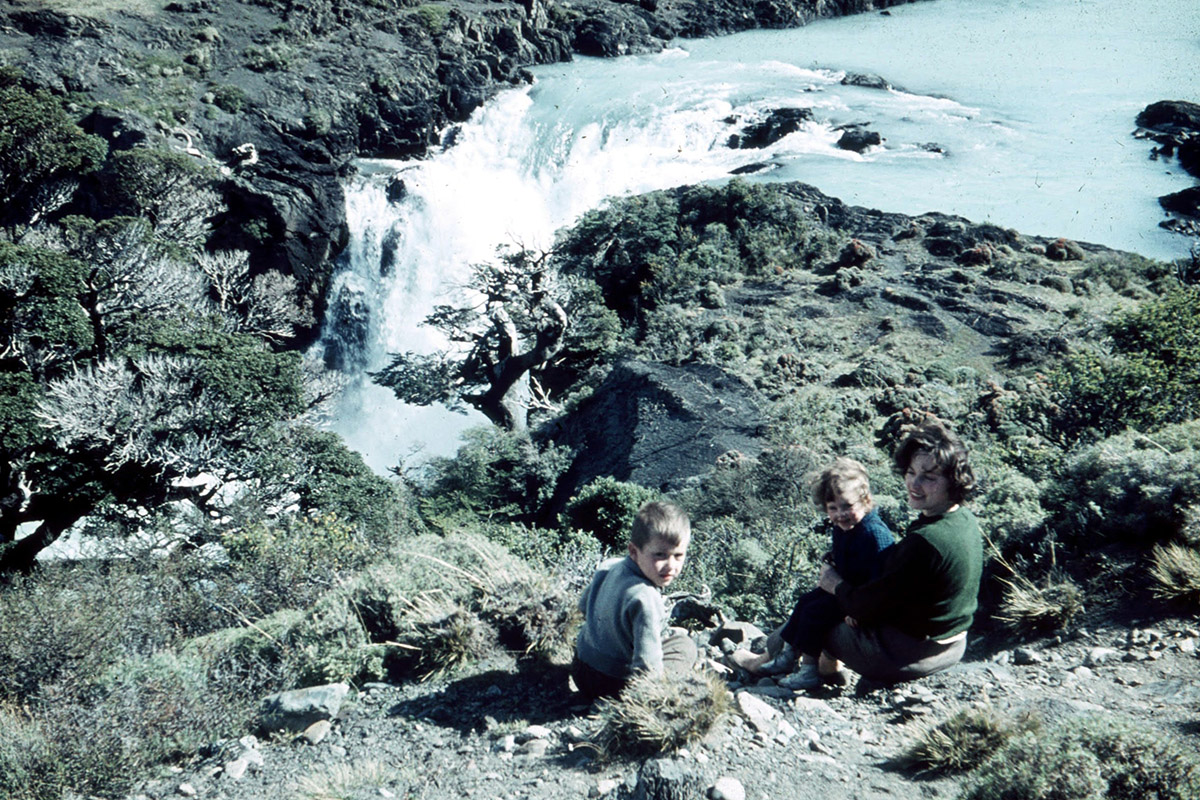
[[495, 475], [1131, 486], [27, 771], [1089, 758], [755, 570], [656, 714], [1150, 377], [606, 508]]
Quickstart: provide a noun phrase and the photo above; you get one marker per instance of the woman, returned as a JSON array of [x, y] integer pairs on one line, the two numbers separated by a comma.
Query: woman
[[912, 620]]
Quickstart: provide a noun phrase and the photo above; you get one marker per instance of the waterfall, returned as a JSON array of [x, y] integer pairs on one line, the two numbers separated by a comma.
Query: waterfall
[[1020, 116]]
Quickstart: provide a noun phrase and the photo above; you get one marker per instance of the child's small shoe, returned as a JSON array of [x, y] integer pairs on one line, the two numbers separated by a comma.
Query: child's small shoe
[[783, 662], [807, 677]]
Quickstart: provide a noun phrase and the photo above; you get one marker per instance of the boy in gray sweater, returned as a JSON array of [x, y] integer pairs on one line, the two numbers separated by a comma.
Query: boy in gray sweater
[[625, 620]]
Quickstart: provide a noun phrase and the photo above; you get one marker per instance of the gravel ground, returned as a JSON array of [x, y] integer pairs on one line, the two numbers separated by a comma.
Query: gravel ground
[[508, 733]]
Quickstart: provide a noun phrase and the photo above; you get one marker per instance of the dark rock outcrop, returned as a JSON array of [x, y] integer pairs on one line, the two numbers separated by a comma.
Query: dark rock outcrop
[[858, 140], [659, 425], [1175, 126], [778, 124]]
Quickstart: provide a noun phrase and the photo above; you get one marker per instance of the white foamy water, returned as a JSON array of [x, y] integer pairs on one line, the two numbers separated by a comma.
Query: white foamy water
[[1031, 103]]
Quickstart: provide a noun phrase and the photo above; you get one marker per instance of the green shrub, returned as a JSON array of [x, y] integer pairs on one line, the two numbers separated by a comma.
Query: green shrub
[[1150, 378], [758, 590], [1130, 486], [27, 771], [656, 714], [229, 98], [495, 475], [1009, 508], [432, 18], [63, 627], [317, 122], [39, 144], [1090, 758], [606, 508], [1034, 767], [290, 562], [269, 58]]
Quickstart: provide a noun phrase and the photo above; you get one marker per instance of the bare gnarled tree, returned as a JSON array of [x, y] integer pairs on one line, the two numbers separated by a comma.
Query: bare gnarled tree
[[515, 324]]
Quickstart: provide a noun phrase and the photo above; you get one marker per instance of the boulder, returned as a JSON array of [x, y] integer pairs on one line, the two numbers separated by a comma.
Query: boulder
[[1186, 202], [858, 140], [778, 124], [660, 426], [864, 80], [1167, 114], [664, 779], [296, 710]]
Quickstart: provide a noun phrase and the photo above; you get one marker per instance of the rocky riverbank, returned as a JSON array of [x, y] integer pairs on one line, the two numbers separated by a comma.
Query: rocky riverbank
[[280, 98]]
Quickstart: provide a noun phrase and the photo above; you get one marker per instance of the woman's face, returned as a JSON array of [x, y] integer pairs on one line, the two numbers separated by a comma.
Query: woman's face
[[929, 489]]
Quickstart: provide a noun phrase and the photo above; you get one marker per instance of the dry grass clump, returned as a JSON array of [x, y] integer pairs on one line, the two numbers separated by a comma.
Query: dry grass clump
[[965, 740], [534, 618], [1028, 608], [1175, 570], [344, 781], [655, 714], [438, 636]]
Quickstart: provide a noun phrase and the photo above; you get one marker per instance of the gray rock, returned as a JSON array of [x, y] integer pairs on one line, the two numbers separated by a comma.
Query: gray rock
[[316, 733], [664, 779], [1026, 656], [736, 632], [295, 710], [727, 788], [1099, 655], [760, 715]]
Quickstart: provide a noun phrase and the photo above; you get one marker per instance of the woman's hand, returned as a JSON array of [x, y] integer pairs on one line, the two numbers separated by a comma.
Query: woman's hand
[[829, 579]]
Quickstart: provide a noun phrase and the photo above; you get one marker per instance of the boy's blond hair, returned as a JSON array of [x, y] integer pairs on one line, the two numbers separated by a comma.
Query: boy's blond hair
[[659, 518], [845, 478]]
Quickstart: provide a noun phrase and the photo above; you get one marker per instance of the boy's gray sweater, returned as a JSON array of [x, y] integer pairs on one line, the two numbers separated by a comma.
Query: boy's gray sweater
[[624, 619]]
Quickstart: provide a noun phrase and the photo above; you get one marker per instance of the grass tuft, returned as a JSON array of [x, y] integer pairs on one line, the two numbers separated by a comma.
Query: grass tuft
[[965, 740], [1028, 608], [656, 714], [1175, 570], [348, 781]]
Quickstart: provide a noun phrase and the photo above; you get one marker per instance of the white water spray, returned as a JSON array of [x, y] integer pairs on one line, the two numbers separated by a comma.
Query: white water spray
[[1020, 115]]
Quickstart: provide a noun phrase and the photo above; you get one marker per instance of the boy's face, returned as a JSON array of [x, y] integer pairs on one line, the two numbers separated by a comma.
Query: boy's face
[[659, 560], [844, 513]]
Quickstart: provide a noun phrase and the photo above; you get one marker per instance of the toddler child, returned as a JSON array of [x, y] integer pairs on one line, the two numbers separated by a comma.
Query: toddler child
[[860, 538]]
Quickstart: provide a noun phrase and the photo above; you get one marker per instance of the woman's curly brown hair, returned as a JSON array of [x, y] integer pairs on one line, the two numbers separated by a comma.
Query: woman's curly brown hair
[[948, 452]]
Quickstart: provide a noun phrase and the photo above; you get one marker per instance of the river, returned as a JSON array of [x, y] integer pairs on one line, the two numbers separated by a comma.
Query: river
[[1015, 112]]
